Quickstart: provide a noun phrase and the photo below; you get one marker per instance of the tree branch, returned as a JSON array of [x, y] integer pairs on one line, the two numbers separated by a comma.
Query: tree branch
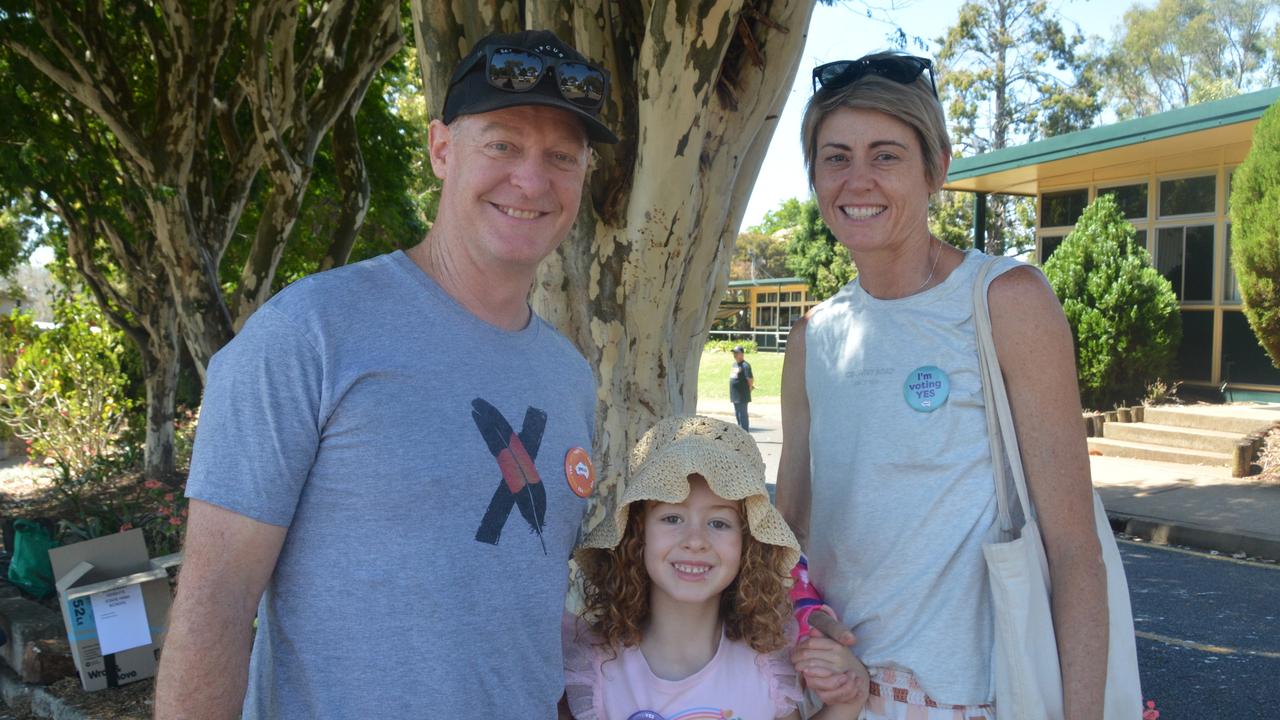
[[97, 102]]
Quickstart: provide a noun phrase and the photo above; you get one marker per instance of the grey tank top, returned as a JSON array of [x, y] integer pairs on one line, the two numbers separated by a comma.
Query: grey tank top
[[903, 495]]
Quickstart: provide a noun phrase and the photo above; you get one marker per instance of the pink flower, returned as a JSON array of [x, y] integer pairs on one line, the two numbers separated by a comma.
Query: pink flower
[[184, 512], [163, 510], [168, 497], [1151, 713], [126, 526], [152, 484], [175, 521]]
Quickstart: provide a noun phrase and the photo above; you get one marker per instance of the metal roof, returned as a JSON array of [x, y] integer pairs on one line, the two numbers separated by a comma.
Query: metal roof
[[1018, 169], [767, 282]]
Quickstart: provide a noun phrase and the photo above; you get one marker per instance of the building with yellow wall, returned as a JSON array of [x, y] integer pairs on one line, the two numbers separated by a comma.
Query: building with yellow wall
[[762, 310], [1171, 175]]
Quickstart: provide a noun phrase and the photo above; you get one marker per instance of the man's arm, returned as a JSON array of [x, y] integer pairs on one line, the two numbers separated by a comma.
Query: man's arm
[[227, 560], [1033, 343]]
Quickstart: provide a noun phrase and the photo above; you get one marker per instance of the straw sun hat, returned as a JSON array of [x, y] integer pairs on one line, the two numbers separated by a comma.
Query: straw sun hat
[[721, 452]]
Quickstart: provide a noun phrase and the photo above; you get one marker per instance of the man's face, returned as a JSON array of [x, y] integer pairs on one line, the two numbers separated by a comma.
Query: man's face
[[737, 356], [512, 182]]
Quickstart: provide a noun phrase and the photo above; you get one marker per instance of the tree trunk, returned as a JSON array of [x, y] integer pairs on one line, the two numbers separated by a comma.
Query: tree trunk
[[193, 278], [698, 88], [161, 364], [353, 184]]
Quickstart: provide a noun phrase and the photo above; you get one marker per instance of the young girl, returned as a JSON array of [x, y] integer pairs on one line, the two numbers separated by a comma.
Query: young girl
[[686, 591]]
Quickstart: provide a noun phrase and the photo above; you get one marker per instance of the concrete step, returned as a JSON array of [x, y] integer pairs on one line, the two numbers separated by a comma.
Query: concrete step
[[1241, 419], [1143, 451], [1182, 438]]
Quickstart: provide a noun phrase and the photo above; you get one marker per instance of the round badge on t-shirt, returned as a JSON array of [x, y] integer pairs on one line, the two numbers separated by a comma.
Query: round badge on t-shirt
[[579, 471], [926, 388]]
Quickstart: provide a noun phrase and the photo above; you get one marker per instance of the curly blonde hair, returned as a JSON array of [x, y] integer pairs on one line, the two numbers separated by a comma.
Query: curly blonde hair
[[754, 608]]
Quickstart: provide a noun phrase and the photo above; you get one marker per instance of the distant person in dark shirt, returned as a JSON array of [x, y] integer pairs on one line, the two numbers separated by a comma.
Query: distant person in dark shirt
[[741, 383]]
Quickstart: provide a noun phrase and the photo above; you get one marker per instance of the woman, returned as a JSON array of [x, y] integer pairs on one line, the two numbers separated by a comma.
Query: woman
[[886, 468]]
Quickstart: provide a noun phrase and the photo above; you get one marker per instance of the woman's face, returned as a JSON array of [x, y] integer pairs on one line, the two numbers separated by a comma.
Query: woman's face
[[870, 181]]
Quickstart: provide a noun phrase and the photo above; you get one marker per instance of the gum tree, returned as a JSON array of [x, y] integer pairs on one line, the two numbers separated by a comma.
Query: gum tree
[[696, 94]]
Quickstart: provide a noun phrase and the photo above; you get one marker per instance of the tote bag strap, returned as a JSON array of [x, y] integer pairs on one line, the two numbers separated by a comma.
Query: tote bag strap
[[1006, 460]]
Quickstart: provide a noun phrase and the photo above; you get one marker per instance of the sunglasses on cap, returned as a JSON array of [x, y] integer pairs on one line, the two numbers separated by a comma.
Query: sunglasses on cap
[[898, 68], [518, 70]]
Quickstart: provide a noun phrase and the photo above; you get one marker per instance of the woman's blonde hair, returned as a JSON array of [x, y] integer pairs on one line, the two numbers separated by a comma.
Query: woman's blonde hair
[[913, 103]]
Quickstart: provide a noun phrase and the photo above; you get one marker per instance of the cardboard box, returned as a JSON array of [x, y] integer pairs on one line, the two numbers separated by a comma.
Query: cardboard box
[[113, 597]]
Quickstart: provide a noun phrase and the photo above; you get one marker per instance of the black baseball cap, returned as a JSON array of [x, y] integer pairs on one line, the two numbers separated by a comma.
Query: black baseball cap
[[470, 92]]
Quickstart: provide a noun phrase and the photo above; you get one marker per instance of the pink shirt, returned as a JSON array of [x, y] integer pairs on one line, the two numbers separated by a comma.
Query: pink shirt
[[738, 684]]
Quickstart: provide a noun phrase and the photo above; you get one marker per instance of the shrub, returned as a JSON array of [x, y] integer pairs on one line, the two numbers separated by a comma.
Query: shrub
[[728, 345], [1123, 314], [123, 501], [1255, 232], [65, 391]]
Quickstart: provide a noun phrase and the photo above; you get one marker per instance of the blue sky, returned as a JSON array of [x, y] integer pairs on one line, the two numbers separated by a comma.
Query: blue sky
[[844, 31]]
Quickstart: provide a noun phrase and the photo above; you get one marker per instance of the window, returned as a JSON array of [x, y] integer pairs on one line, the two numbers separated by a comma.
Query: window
[[1188, 196], [1184, 255], [1195, 354], [1062, 208], [768, 297], [1047, 245], [790, 315], [1230, 287], [1243, 359], [765, 316], [1132, 199]]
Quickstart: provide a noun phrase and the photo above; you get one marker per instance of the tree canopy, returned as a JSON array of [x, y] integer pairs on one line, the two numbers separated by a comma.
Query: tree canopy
[[1255, 232], [1010, 72], [171, 142], [1182, 52]]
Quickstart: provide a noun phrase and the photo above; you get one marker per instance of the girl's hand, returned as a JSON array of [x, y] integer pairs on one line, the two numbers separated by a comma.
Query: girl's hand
[[833, 672]]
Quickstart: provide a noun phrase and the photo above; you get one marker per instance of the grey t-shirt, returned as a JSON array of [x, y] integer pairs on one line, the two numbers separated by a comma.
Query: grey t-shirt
[[384, 425]]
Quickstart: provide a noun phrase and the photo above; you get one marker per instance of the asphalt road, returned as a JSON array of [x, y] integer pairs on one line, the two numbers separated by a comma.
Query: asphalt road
[[1208, 632]]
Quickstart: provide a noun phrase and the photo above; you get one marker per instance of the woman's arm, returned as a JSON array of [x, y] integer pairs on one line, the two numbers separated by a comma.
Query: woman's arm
[[1035, 348], [793, 465]]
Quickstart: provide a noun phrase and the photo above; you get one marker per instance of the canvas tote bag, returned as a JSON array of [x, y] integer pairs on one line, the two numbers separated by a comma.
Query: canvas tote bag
[[1028, 682]]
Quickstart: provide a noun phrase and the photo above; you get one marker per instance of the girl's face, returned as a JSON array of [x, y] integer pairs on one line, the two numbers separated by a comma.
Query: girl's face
[[693, 549]]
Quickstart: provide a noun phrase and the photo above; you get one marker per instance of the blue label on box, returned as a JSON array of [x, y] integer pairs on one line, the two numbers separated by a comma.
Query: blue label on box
[[80, 611]]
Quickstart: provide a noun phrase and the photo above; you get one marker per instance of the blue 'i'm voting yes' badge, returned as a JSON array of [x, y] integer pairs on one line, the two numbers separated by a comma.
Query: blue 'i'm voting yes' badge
[[926, 388]]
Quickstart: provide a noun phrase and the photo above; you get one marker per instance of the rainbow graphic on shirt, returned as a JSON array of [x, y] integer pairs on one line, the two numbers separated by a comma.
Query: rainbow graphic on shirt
[[697, 713]]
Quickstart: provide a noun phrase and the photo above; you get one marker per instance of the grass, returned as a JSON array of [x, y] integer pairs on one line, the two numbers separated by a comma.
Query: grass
[[713, 375]]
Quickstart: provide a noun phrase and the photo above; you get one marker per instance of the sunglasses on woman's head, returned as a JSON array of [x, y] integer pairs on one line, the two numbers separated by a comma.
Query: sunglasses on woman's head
[[517, 70], [898, 68]]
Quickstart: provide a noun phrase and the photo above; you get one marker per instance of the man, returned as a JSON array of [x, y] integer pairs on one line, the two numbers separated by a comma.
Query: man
[[392, 463], [741, 383]]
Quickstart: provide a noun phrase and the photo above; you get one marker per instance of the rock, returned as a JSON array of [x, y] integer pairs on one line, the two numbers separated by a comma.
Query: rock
[[24, 621], [46, 661]]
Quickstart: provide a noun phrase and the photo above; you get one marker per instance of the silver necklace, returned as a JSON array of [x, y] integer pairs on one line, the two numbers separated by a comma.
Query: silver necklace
[[932, 267]]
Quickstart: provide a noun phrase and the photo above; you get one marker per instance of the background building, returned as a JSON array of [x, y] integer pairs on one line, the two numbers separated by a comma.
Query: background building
[[1171, 175]]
